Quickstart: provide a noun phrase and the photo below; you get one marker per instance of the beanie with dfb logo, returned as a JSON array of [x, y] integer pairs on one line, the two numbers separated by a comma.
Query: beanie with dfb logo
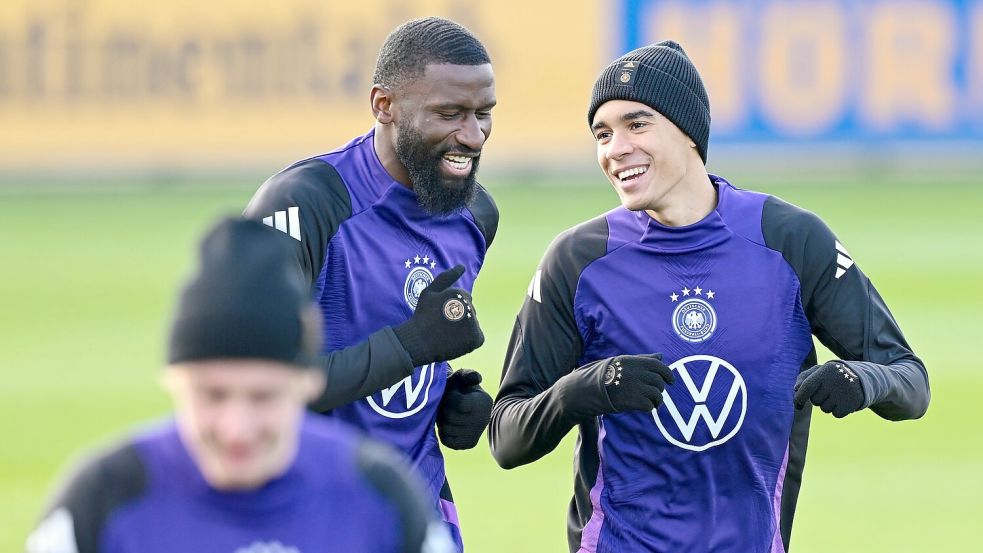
[[661, 76], [245, 301]]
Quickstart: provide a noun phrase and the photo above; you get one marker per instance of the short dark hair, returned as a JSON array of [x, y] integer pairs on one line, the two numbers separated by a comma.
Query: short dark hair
[[415, 44]]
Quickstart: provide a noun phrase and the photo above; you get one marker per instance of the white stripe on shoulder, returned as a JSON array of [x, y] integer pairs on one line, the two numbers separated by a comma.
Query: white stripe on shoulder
[[55, 534]]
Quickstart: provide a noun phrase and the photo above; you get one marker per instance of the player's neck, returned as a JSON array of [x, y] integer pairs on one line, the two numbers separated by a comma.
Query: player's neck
[[689, 201], [383, 142]]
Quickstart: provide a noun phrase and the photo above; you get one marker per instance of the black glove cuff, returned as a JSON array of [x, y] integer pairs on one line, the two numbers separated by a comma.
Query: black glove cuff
[[413, 342], [582, 393]]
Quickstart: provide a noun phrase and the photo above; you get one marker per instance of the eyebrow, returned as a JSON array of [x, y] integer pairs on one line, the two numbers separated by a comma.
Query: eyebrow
[[455, 106], [630, 116]]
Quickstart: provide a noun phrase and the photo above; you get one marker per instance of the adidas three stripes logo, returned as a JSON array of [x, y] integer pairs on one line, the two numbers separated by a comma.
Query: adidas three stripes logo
[[843, 260], [285, 221], [535, 290]]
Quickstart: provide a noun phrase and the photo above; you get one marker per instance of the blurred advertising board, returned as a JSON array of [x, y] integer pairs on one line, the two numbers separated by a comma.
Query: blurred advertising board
[[90, 85], [107, 84], [827, 70]]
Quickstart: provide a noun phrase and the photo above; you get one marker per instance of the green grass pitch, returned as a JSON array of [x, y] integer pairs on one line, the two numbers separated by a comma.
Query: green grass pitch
[[88, 280]]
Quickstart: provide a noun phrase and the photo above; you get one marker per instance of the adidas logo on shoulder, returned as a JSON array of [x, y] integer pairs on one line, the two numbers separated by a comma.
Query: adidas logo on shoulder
[[285, 221], [535, 290], [843, 260]]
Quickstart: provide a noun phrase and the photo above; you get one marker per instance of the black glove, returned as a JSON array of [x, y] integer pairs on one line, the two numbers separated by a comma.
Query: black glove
[[833, 387], [464, 410], [636, 382], [444, 325]]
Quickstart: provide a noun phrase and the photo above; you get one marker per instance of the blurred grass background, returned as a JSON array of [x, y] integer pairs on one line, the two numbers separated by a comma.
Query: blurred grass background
[[88, 281]]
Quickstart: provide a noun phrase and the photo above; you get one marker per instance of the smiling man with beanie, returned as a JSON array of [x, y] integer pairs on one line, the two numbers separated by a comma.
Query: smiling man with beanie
[[675, 332], [242, 467]]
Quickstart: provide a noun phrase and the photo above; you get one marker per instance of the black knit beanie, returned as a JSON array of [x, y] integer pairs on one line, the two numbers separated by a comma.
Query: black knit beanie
[[245, 301], [663, 77]]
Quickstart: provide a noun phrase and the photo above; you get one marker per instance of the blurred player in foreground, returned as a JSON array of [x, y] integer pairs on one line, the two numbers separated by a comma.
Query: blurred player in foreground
[[676, 332], [374, 221], [241, 467]]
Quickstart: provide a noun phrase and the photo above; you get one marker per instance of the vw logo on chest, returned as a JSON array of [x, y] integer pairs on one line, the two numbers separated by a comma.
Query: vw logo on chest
[[406, 397], [698, 417]]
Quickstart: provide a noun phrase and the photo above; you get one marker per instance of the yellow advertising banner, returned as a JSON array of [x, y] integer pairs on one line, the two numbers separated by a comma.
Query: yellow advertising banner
[[103, 84], [182, 84]]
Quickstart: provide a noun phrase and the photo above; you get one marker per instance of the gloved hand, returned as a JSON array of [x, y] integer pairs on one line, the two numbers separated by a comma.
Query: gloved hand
[[834, 387], [636, 382], [444, 325], [464, 410]]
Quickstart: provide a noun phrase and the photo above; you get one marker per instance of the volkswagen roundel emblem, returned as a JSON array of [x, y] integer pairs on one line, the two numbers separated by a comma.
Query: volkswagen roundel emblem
[[694, 320], [405, 398], [454, 310], [705, 407]]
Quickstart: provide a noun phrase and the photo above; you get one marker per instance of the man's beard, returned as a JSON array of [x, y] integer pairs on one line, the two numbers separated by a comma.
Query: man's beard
[[423, 165]]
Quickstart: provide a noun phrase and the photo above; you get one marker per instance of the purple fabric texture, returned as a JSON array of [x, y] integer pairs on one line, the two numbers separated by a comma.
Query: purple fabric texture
[[592, 530], [376, 264], [178, 511], [776, 543], [705, 470]]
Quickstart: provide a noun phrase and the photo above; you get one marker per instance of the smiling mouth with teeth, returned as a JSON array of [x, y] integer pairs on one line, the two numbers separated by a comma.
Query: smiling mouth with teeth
[[633, 173], [458, 162]]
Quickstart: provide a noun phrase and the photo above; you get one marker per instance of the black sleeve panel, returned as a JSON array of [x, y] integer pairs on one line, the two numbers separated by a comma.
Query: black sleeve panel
[[542, 396], [362, 369], [96, 489], [485, 214], [846, 312], [322, 201], [386, 472], [316, 189]]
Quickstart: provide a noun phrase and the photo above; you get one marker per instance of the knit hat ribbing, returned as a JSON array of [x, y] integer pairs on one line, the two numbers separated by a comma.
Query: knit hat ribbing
[[245, 301], [661, 76]]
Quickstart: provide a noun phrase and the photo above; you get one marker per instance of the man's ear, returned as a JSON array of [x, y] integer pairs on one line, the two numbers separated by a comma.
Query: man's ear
[[169, 378], [382, 102], [313, 384]]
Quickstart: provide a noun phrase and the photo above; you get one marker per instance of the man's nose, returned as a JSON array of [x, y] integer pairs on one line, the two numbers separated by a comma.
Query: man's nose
[[618, 146], [471, 135], [236, 421]]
